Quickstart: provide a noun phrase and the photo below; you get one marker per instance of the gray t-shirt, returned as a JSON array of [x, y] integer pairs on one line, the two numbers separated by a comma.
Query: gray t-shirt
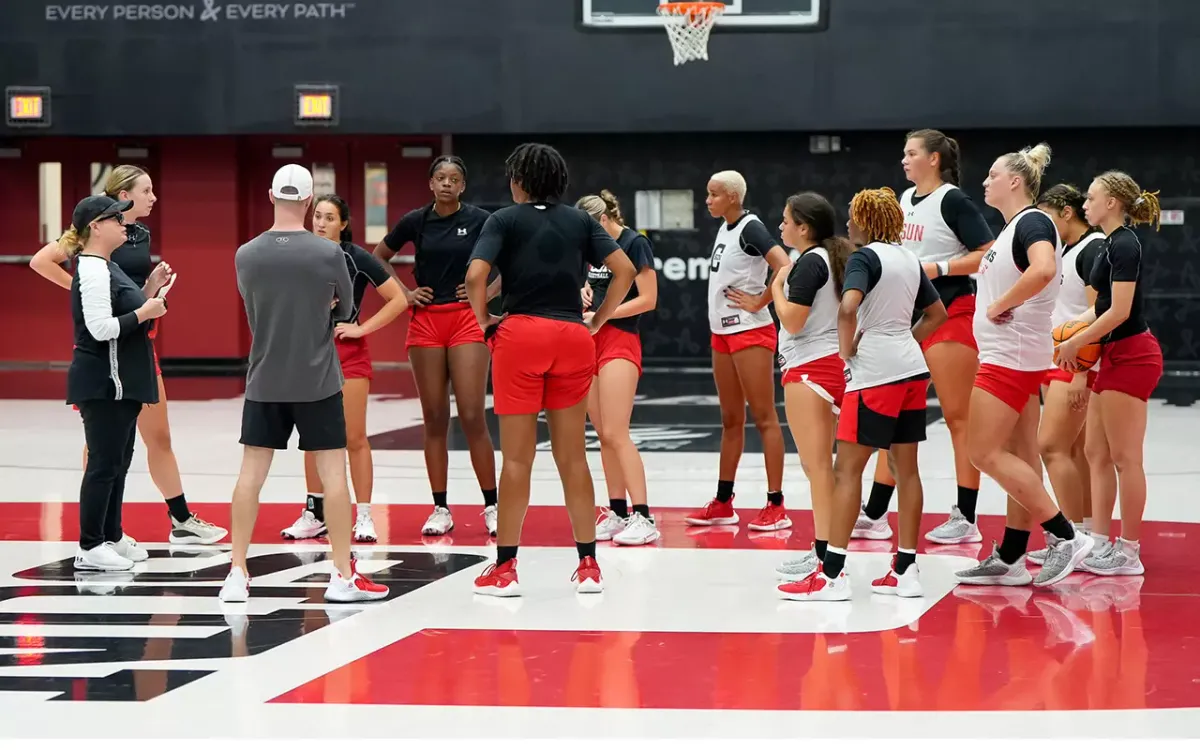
[[288, 281]]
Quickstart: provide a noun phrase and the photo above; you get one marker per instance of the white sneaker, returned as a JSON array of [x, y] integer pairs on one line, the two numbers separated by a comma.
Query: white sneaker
[[364, 525], [638, 530], [306, 527], [236, 587], [798, 568], [195, 531], [907, 586], [128, 548], [104, 557], [865, 528], [489, 519], [439, 522], [955, 530], [356, 588], [609, 525]]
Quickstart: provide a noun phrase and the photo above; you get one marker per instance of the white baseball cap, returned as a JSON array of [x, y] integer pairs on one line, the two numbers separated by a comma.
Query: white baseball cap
[[292, 183]]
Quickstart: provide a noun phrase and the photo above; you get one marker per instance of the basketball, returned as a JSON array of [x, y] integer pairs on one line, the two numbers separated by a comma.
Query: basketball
[[1088, 355]]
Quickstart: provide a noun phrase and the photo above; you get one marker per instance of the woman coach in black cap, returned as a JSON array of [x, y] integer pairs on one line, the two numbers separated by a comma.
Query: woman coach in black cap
[[111, 375]]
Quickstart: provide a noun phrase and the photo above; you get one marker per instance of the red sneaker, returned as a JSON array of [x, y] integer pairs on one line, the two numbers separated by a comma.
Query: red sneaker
[[499, 580], [817, 588], [587, 577], [716, 513], [356, 588], [771, 518]]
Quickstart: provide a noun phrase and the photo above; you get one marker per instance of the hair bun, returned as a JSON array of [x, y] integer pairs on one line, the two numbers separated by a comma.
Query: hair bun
[[1038, 157]]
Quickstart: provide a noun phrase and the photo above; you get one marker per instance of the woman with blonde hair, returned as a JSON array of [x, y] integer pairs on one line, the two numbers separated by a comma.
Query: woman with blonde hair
[[1018, 287], [131, 184], [1131, 365], [111, 375], [618, 367]]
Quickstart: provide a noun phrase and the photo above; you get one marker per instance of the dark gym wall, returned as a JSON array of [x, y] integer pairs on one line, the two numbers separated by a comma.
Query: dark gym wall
[[511, 66], [778, 164]]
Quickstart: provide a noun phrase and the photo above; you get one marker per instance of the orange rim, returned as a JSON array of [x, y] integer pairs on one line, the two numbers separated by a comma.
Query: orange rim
[[690, 9]]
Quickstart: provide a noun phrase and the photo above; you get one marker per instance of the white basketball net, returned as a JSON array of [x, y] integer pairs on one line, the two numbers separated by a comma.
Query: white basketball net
[[688, 26]]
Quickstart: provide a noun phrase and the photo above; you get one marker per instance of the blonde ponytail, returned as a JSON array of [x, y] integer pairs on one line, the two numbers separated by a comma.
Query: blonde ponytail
[[1030, 164], [72, 241]]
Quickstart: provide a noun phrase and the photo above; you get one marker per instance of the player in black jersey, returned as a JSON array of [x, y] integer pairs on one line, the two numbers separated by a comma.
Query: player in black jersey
[[618, 367], [1131, 365], [445, 345], [127, 182], [331, 220]]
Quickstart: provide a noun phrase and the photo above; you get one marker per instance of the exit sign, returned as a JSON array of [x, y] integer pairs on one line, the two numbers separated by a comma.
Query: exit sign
[[316, 104], [27, 106]]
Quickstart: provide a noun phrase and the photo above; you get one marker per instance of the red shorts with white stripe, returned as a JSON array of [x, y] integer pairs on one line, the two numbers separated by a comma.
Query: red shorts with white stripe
[[959, 327], [732, 343], [826, 376]]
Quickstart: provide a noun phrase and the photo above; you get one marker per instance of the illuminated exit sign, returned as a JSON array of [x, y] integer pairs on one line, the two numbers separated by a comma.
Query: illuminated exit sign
[[316, 104], [27, 106]]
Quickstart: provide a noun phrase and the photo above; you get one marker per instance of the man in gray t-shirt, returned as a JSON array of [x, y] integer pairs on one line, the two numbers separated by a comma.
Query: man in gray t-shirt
[[295, 286]]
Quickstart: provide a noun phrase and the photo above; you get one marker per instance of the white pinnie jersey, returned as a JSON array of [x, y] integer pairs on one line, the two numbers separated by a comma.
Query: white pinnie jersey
[[887, 352], [1072, 299], [731, 266], [818, 338], [1023, 343], [926, 232]]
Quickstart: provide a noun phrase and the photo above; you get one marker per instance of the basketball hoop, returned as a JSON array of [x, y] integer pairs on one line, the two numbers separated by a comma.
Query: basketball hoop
[[688, 26]]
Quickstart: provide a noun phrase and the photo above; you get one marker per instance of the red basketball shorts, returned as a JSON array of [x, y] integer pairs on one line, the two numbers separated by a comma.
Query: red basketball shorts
[[613, 343], [732, 343], [959, 327], [355, 356], [826, 376], [1132, 366], [884, 415], [443, 326], [540, 363], [1013, 387], [1059, 375]]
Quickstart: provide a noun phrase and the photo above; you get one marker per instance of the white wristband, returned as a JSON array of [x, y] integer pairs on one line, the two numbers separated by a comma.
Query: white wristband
[[943, 268]]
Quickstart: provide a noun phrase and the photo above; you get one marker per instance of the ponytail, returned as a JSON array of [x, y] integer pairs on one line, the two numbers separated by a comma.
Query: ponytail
[[1146, 210], [839, 250], [72, 241]]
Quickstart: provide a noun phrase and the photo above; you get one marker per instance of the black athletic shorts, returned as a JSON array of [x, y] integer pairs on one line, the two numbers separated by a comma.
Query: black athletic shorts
[[321, 424]]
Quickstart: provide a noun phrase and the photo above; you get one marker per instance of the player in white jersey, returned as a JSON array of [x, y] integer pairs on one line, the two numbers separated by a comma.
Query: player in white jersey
[[743, 349], [1065, 394], [884, 406], [1018, 286], [806, 300], [947, 232]]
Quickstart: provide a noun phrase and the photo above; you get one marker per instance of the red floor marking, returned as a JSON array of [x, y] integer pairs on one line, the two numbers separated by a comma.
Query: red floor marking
[[966, 657]]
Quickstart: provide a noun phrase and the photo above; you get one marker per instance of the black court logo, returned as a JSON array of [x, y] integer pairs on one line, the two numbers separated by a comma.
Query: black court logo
[[730, 320]]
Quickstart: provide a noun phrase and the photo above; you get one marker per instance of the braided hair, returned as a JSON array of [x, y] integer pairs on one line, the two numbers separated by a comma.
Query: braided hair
[[539, 170], [1142, 207], [878, 214], [453, 161]]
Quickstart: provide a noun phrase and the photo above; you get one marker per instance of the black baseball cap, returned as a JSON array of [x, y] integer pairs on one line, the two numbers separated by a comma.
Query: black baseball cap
[[97, 207]]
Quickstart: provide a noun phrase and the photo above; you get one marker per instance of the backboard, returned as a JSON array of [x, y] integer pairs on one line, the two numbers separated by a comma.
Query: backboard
[[740, 15]]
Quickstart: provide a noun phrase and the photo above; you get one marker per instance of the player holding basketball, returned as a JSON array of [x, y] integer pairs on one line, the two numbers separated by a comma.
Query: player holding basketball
[[445, 345], [949, 235], [128, 182], [814, 381], [743, 349], [618, 367], [1018, 285], [886, 381], [544, 357], [331, 220], [1131, 365], [1065, 394]]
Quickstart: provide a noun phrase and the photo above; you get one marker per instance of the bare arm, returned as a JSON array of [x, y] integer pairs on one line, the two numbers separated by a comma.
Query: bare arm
[[477, 274], [623, 273], [48, 261], [1041, 271], [647, 299], [848, 323], [1122, 305], [931, 317], [396, 302]]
